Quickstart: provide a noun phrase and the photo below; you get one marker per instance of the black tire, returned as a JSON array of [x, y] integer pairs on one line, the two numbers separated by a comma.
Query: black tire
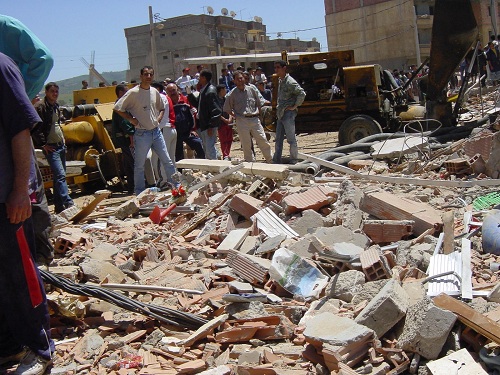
[[356, 127]]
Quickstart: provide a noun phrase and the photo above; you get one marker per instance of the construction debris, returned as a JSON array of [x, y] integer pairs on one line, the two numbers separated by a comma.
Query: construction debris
[[263, 270]]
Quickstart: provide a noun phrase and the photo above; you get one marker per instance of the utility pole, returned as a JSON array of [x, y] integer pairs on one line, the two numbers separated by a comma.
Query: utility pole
[[417, 43], [153, 41]]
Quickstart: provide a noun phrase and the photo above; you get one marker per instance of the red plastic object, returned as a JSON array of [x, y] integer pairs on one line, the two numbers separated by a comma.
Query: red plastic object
[[159, 214]]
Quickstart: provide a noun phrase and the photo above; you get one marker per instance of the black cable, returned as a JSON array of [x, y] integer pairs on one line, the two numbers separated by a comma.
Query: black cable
[[161, 313]]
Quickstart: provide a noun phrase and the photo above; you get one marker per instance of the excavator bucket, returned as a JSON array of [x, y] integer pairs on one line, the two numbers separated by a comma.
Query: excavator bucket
[[454, 30]]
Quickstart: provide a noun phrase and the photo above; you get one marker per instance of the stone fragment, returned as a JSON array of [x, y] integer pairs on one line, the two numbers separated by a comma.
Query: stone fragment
[[96, 271], [308, 222], [345, 284], [385, 309], [129, 208], [340, 233], [335, 330], [426, 329]]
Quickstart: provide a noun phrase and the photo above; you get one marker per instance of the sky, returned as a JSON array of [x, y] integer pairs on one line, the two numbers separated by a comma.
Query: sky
[[72, 30]]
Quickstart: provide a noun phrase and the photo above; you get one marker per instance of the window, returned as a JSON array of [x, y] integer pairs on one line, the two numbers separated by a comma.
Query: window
[[163, 35], [176, 55], [174, 33], [165, 57]]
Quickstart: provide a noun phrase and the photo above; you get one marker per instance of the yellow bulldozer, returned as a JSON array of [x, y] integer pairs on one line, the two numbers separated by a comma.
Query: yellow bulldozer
[[91, 155]]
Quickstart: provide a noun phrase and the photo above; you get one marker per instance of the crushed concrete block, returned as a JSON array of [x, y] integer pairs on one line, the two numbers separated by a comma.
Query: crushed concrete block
[[233, 240], [245, 205], [304, 247], [253, 357], [415, 290], [385, 309], [104, 251], [426, 329], [325, 304], [129, 208], [271, 244], [340, 233], [96, 271], [368, 291], [313, 198], [335, 330], [344, 285], [308, 222], [347, 212], [250, 245], [459, 363]]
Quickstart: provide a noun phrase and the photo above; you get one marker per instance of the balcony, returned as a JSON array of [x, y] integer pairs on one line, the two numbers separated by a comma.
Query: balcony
[[227, 43]]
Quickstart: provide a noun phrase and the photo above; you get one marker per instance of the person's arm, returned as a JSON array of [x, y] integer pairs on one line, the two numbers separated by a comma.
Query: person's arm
[[18, 203], [299, 93], [127, 116], [215, 109]]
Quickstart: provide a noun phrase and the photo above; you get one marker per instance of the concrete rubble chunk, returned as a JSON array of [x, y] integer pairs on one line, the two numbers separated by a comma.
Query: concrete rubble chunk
[[341, 234], [308, 222], [368, 291], [386, 309], [129, 208], [459, 363], [347, 212], [335, 330], [245, 205], [325, 304], [426, 329], [345, 284], [97, 271]]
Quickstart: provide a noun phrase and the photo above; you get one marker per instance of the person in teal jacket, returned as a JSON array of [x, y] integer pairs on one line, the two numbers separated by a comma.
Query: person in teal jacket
[[31, 56]]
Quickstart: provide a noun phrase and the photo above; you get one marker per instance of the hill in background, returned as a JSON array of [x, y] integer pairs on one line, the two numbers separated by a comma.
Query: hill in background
[[67, 86]]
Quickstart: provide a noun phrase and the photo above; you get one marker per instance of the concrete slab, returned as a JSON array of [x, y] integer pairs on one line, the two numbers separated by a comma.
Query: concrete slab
[[386, 309], [459, 363]]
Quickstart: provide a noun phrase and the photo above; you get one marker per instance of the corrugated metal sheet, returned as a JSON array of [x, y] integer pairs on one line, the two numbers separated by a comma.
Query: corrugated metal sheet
[[271, 224], [449, 284]]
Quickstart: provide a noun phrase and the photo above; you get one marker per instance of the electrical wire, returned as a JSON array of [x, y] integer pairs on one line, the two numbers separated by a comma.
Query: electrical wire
[[160, 313]]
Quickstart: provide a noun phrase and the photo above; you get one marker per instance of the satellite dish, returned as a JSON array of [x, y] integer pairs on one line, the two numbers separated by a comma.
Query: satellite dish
[[210, 10], [279, 35], [314, 39], [224, 11], [232, 13], [257, 19]]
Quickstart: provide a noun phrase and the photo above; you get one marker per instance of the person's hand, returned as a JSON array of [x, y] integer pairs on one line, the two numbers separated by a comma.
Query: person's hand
[[210, 131], [293, 108], [48, 149], [18, 206], [134, 122], [188, 89]]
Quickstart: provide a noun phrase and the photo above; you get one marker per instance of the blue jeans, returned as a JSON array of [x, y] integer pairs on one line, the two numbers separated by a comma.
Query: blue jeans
[[57, 162], [144, 140], [209, 143], [286, 127]]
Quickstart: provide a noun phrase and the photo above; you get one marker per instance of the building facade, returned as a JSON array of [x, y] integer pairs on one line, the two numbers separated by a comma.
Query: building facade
[[393, 33]]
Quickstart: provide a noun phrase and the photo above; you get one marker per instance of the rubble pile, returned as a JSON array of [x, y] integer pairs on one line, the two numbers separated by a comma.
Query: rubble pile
[[261, 270]]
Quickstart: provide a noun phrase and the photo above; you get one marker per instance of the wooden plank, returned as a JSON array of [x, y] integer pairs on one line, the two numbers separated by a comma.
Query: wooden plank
[[470, 317], [449, 232]]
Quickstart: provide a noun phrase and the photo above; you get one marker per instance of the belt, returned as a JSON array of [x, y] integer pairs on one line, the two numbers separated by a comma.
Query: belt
[[252, 115]]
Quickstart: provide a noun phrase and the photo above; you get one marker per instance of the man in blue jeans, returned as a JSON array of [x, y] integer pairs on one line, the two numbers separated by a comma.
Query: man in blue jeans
[[50, 138], [290, 96], [144, 108]]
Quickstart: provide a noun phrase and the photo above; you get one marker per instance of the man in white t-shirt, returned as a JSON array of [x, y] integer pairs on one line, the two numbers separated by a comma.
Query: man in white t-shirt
[[144, 108], [185, 77]]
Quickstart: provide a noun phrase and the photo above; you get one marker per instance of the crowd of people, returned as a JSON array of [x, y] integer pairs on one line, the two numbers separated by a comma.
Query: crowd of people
[[163, 116]]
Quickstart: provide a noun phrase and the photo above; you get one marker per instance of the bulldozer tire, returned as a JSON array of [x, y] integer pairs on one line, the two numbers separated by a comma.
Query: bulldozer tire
[[356, 127]]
